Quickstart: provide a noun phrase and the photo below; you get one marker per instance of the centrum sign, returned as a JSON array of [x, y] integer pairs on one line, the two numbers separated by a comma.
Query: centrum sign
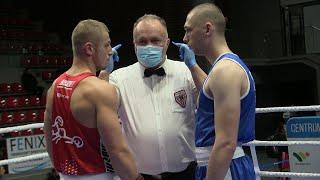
[[304, 158], [305, 129]]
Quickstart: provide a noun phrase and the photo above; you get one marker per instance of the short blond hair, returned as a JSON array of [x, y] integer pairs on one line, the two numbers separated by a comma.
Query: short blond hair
[[88, 30]]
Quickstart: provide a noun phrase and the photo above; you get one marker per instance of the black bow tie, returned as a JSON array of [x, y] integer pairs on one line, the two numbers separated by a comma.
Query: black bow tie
[[149, 72]]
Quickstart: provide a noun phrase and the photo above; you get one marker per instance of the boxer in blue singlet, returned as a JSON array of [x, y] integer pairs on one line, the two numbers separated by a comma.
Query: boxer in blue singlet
[[241, 166], [225, 117]]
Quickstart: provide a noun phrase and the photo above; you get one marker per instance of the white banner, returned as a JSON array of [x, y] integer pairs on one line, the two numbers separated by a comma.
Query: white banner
[[306, 158], [27, 145]]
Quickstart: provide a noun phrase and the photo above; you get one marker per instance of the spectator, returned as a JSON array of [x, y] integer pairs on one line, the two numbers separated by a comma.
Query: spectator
[[30, 83]]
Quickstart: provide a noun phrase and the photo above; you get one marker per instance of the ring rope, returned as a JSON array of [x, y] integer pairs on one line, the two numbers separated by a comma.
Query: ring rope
[[252, 144], [21, 128], [288, 109], [280, 143], [258, 110], [24, 159], [287, 174], [259, 173]]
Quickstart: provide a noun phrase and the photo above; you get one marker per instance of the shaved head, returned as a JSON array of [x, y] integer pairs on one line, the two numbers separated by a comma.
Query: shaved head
[[208, 12]]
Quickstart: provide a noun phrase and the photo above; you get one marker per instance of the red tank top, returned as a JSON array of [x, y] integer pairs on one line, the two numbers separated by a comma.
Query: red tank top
[[76, 149]]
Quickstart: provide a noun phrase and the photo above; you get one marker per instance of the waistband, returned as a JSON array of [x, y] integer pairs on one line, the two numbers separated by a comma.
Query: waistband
[[203, 153], [101, 176]]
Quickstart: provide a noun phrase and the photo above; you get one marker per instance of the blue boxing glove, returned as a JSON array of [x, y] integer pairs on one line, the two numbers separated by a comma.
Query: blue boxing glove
[[114, 57], [186, 54]]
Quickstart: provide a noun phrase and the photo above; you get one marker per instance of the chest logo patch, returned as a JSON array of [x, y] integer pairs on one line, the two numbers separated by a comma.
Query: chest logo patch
[[181, 98]]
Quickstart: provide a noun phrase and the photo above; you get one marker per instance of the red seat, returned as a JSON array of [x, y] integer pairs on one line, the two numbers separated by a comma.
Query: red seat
[[55, 61], [46, 61], [63, 61], [32, 116], [17, 87], [3, 103], [33, 48], [12, 102], [30, 61], [69, 61], [43, 100], [48, 75], [38, 131], [66, 61], [6, 117], [15, 134], [19, 117], [26, 132], [51, 48], [60, 60], [41, 115], [23, 101], [34, 101], [5, 88]]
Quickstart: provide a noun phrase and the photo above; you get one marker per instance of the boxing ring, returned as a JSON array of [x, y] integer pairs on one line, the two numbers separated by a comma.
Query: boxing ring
[[252, 145]]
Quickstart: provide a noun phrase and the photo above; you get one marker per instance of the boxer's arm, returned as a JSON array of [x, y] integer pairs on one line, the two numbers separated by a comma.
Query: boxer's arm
[[110, 132], [198, 76], [113, 80], [47, 122], [225, 87]]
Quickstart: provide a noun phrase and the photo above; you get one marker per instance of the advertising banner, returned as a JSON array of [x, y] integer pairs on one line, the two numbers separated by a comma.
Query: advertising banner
[[304, 158], [24, 146]]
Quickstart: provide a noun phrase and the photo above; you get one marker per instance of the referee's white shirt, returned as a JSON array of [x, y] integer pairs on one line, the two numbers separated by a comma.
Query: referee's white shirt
[[158, 116]]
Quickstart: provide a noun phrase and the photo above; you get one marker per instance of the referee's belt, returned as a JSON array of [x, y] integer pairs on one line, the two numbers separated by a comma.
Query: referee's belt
[[203, 154]]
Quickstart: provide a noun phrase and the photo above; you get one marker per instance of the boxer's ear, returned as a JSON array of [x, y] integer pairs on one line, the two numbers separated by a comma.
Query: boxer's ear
[[88, 49]]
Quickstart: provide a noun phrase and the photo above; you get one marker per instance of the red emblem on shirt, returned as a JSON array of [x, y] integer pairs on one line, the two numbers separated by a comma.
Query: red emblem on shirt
[[181, 98]]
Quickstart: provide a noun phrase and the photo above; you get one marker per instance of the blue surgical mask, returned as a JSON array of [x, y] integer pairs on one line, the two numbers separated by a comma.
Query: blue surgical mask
[[149, 56]]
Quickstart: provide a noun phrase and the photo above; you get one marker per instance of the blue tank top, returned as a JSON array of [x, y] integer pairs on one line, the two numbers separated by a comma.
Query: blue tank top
[[205, 112]]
